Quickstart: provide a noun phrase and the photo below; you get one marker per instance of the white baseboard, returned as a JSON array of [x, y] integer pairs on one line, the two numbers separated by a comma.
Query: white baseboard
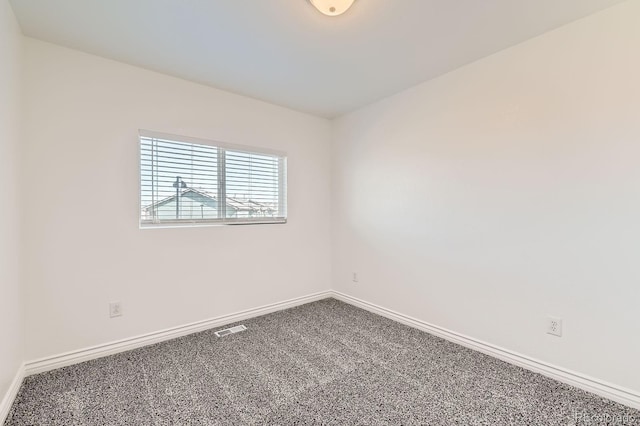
[[99, 351], [12, 392], [607, 390]]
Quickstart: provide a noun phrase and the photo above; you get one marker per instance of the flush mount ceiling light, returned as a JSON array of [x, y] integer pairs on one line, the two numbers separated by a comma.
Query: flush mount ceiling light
[[332, 7]]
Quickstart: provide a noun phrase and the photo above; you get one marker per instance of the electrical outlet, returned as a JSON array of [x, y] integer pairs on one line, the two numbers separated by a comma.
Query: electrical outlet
[[115, 309], [354, 277], [554, 326]]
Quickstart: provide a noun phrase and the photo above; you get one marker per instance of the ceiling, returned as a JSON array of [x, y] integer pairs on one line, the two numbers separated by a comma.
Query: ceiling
[[286, 52]]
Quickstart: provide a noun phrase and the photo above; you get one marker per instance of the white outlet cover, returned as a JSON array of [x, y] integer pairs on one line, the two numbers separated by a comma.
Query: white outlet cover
[[115, 309], [554, 326]]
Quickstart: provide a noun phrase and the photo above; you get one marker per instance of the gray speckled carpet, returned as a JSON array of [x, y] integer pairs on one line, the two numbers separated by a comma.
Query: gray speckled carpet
[[322, 363]]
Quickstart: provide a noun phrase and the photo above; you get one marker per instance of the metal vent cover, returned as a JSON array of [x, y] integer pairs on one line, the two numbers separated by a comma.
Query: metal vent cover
[[232, 330]]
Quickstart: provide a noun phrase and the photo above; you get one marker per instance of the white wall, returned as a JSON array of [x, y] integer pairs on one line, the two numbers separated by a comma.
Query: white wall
[[11, 312], [504, 191], [80, 190]]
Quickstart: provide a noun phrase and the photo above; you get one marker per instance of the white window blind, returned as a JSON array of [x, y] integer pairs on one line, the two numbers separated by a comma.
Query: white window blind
[[186, 181]]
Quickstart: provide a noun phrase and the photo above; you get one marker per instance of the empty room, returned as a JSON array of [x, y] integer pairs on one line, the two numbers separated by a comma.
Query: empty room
[[319, 212]]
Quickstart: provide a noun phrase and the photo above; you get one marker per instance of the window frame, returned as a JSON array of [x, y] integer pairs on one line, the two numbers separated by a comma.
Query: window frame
[[281, 217]]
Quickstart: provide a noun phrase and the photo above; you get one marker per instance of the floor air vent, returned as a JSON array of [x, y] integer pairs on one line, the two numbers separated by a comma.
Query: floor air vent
[[232, 330]]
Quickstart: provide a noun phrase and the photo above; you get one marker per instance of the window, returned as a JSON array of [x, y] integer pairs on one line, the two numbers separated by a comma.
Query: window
[[186, 181]]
